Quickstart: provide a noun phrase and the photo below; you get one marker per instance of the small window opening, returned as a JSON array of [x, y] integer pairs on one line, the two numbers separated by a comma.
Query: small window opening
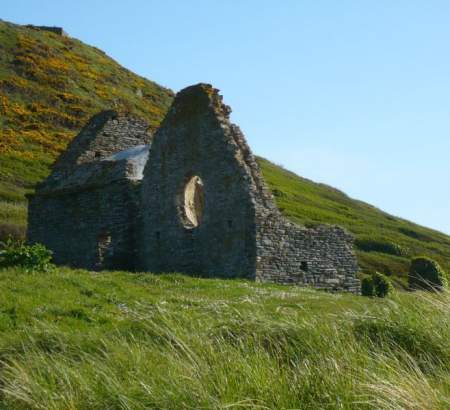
[[304, 266], [158, 236], [230, 223], [103, 248], [97, 154]]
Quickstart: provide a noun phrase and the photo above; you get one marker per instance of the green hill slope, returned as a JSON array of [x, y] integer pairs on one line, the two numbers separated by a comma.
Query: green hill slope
[[50, 85]]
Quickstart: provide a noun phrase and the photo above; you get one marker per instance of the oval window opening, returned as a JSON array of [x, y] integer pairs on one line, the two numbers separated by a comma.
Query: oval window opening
[[193, 202]]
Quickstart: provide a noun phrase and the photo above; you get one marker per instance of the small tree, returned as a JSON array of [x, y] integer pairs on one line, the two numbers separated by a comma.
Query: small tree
[[367, 286], [426, 274]]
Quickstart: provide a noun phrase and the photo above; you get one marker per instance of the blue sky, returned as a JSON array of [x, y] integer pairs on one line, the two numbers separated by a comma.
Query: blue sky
[[352, 93]]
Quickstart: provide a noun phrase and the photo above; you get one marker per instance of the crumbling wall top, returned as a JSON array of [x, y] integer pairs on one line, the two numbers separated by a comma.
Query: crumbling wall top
[[111, 146], [106, 133]]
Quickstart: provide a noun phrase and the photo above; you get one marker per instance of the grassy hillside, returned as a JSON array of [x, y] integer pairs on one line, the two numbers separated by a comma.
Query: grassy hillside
[[50, 85], [83, 340]]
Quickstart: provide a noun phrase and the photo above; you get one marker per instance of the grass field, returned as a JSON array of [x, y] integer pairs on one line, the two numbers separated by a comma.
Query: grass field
[[113, 340]]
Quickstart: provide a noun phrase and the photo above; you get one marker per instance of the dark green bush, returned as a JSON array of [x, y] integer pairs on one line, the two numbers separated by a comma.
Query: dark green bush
[[380, 245], [376, 284], [279, 194], [382, 286], [31, 258], [426, 274], [367, 286], [416, 234]]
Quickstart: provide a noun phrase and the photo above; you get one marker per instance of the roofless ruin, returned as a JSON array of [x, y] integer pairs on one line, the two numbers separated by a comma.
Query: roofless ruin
[[189, 199]]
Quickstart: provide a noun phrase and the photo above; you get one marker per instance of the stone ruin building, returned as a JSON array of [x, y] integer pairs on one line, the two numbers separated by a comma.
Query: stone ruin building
[[56, 30], [189, 199]]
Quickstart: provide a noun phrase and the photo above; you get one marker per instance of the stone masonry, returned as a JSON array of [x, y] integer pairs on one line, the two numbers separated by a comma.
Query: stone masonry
[[200, 205], [88, 210]]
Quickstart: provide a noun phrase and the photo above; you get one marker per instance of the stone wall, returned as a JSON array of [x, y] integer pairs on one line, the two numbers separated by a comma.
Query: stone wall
[[87, 211], [290, 253], [322, 257], [88, 228], [195, 141]]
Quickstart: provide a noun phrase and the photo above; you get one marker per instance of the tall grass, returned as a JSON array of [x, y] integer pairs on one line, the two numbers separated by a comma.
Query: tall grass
[[13, 216], [176, 342], [13, 212]]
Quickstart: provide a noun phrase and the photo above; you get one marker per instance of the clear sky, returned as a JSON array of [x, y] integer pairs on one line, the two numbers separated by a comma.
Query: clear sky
[[352, 93]]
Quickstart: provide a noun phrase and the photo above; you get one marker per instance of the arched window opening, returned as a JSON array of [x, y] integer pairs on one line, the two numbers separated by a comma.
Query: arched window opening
[[192, 202]]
